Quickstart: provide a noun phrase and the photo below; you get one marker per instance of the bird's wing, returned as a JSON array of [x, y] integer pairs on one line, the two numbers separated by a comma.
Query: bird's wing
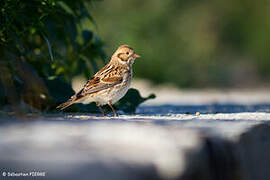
[[93, 85], [97, 84]]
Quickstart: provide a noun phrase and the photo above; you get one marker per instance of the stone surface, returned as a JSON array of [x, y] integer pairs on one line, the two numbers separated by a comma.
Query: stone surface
[[112, 150], [158, 143]]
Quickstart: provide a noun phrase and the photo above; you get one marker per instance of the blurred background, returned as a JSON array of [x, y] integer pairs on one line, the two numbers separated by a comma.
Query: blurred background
[[214, 44], [191, 44]]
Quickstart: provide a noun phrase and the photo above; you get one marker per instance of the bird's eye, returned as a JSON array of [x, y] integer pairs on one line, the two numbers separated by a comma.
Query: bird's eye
[[127, 53]]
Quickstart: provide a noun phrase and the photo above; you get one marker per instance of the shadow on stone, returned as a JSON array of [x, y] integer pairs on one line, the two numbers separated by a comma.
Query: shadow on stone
[[214, 161], [254, 156]]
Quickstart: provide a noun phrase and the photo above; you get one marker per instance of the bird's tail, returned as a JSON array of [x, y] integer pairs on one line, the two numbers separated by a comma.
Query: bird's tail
[[68, 103]]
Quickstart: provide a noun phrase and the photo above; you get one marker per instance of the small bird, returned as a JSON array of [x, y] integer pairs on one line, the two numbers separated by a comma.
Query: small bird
[[110, 83]]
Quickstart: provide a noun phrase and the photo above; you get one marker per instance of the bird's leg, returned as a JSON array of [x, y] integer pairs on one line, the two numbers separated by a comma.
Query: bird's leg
[[114, 112], [100, 109]]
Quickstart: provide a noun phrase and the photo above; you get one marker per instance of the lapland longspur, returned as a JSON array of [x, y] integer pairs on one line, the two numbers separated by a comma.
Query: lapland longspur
[[110, 83]]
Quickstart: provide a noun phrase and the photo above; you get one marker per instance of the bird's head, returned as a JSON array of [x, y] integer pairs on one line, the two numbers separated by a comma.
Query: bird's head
[[125, 55]]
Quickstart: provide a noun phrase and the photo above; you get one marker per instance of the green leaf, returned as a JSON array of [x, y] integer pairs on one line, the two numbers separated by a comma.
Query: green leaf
[[65, 7], [49, 46], [87, 36], [132, 100]]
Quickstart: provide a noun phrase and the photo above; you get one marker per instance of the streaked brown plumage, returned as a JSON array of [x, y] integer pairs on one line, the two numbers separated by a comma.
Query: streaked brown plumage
[[110, 83]]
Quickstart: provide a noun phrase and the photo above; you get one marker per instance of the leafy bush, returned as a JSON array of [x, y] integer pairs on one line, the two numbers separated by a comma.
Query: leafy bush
[[41, 40]]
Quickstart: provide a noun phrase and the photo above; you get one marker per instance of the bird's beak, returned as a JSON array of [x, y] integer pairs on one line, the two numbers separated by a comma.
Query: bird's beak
[[135, 55]]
